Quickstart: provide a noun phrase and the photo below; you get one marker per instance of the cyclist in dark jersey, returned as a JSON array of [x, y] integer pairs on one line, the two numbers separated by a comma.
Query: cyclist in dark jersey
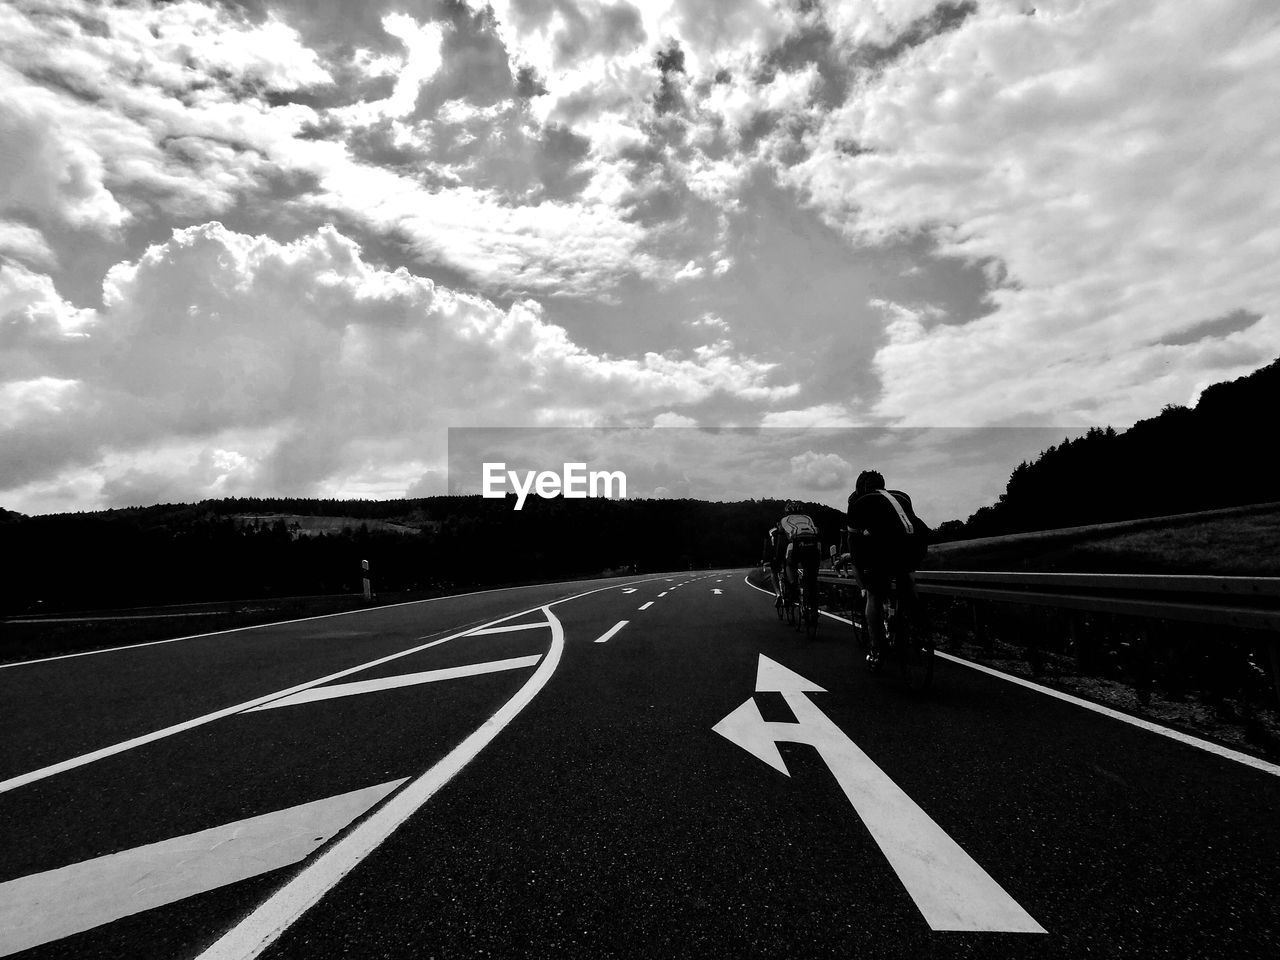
[[881, 526]]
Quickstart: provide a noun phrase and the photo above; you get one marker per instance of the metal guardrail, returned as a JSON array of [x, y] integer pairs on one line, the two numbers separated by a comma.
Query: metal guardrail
[[1250, 602]]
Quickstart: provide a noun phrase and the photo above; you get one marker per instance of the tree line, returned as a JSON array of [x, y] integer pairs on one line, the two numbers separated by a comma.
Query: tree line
[[1215, 454], [173, 553]]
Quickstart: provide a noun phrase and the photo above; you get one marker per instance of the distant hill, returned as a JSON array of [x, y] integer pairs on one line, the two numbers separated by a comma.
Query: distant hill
[[1217, 454], [247, 548]]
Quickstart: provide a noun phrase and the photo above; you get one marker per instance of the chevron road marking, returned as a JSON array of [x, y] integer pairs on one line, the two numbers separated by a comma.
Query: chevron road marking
[[392, 683], [48, 906], [278, 912]]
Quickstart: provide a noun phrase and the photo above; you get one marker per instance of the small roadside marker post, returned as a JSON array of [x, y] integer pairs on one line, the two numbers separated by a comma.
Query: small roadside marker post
[[368, 587]]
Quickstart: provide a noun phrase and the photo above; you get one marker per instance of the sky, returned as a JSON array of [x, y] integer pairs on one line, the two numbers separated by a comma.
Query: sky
[[283, 248]]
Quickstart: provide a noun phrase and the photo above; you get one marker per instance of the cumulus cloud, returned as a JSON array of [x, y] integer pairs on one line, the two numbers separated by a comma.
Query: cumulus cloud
[[821, 471], [316, 360]]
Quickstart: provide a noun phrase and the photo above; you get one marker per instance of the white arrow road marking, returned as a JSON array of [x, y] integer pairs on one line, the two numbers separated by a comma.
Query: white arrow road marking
[[947, 885], [714, 590], [511, 629], [273, 916], [608, 634], [403, 680], [48, 906], [646, 606]]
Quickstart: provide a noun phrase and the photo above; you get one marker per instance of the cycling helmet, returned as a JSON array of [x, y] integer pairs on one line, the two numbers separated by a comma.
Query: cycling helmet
[[869, 480]]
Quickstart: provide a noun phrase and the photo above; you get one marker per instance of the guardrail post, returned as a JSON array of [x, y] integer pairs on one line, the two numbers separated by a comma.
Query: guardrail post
[[1141, 667], [981, 635], [1273, 655], [368, 586], [1077, 637]]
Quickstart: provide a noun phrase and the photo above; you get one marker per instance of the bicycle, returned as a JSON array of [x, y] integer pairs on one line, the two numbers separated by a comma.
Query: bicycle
[[808, 609], [789, 598], [914, 656]]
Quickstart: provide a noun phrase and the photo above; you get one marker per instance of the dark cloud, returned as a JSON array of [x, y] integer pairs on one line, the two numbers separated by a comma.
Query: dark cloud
[[670, 62], [529, 84], [474, 63], [594, 29], [1214, 329], [813, 43], [942, 19]]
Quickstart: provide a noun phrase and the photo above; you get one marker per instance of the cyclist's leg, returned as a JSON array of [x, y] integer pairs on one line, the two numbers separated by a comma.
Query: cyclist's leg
[[874, 614]]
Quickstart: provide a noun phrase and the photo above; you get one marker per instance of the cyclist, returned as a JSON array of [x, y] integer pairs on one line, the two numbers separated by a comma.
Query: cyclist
[[773, 563], [801, 551], [887, 541]]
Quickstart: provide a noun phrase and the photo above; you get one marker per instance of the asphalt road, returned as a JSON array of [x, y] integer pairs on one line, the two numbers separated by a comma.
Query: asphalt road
[[511, 774]]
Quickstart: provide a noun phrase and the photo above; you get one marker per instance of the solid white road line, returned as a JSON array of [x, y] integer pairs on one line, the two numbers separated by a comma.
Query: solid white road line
[[261, 927], [48, 906], [1186, 738], [608, 634], [403, 680], [481, 631], [1214, 748], [113, 749], [646, 606]]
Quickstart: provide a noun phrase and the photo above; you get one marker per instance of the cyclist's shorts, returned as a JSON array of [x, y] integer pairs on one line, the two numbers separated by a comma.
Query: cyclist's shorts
[[875, 580]]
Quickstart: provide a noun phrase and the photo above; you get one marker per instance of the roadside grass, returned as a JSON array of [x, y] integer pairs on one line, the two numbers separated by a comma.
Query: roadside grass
[[1236, 546], [1240, 542]]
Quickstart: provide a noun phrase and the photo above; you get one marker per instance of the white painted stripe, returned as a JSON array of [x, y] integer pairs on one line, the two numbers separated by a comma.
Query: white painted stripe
[[646, 606], [663, 594], [480, 632], [260, 928], [403, 680], [74, 762], [48, 906], [608, 634], [1186, 738]]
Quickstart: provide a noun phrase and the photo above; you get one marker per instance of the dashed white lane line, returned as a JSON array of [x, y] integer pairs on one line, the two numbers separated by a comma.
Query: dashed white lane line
[[403, 680], [608, 634], [511, 629], [1224, 752], [48, 906], [646, 606], [663, 594]]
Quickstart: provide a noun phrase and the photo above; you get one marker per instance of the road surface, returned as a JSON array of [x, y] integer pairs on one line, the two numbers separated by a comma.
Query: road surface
[[654, 767]]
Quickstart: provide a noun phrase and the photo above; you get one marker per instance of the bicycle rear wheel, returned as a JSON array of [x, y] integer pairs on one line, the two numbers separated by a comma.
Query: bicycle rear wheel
[[914, 656]]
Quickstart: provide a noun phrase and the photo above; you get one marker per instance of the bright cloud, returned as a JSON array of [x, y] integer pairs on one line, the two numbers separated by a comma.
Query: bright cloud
[[315, 361], [1103, 160]]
